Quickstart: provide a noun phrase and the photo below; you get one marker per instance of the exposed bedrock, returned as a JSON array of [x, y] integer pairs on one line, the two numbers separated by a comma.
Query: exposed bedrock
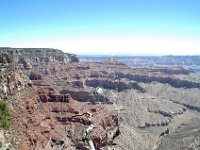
[[62, 107], [99, 136], [45, 114], [50, 119], [86, 96], [35, 76], [116, 85], [50, 111], [55, 98], [12, 79], [170, 70], [189, 98], [5, 58], [161, 79], [186, 137], [31, 57], [189, 106], [168, 114]]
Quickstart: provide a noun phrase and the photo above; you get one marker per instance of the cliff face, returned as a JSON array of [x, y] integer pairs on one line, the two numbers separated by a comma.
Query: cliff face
[[32, 81], [12, 79], [29, 57], [14, 60], [56, 94]]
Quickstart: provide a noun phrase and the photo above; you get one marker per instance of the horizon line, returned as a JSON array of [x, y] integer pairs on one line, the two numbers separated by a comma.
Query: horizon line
[[103, 54]]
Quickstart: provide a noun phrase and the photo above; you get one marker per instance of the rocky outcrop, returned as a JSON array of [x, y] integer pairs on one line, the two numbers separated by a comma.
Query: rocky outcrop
[[54, 112], [185, 137], [35, 76], [45, 111], [171, 70], [86, 96], [55, 98], [12, 78], [5, 58], [110, 84], [31, 57], [161, 79], [59, 124], [186, 105]]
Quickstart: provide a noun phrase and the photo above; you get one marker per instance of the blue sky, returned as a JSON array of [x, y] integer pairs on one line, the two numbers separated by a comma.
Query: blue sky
[[136, 27]]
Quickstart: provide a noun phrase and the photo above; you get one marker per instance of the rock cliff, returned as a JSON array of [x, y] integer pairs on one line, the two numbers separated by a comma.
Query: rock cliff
[[12, 78], [29, 57], [31, 81], [60, 103]]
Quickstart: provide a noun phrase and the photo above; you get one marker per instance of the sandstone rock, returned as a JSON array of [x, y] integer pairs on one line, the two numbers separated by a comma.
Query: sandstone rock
[[56, 138], [5, 58], [24, 147], [44, 127], [47, 111]]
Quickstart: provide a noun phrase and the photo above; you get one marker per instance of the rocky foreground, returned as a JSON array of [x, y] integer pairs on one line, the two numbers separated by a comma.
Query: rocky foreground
[[55, 100]]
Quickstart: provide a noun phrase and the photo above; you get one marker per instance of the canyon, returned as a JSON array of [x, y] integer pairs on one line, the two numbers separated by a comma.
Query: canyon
[[53, 96]]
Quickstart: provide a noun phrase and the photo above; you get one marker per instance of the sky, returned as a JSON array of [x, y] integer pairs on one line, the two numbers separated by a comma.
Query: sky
[[107, 27]]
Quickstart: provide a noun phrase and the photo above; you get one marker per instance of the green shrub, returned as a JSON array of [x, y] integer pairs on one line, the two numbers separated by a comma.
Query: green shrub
[[5, 116]]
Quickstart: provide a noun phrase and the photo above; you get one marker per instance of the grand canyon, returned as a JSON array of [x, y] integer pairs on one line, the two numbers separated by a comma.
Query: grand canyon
[[61, 101]]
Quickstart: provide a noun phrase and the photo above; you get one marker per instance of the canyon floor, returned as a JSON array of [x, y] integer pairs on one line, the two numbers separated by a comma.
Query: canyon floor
[[145, 108]]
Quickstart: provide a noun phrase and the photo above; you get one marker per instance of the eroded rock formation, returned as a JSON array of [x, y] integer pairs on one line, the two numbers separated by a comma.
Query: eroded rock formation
[[48, 92], [35, 78]]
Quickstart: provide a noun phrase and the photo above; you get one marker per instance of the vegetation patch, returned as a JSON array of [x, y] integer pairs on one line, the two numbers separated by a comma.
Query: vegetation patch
[[5, 116]]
